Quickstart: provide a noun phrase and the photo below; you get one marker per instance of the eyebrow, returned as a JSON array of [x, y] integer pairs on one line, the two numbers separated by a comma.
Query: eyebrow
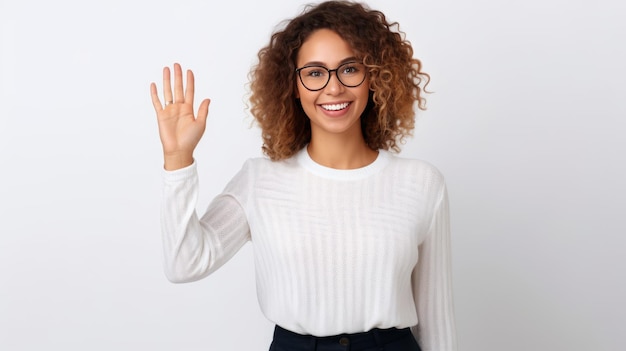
[[319, 63]]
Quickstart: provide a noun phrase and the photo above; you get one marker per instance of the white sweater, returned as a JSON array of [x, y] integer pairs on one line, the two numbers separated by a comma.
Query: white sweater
[[335, 251]]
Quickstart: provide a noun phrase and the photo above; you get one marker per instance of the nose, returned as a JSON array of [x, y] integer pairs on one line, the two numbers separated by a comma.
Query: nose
[[334, 86]]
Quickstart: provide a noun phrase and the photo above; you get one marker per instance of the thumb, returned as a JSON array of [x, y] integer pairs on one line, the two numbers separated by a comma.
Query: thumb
[[203, 110]]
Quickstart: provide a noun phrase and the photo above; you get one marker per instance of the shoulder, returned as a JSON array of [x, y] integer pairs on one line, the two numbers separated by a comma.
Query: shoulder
[[261, 165], [259, 173], [256, 168], [416, 169]]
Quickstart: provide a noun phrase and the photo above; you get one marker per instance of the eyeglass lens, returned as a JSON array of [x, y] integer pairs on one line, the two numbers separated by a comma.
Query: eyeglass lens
[[350, 74]]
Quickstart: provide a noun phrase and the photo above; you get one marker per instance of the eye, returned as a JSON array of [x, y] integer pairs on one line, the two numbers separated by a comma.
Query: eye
[[315, 72], [350, 68]]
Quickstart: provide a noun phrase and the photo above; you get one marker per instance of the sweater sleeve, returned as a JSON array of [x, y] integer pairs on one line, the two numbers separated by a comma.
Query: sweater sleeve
[[432, 284], [193, 246]]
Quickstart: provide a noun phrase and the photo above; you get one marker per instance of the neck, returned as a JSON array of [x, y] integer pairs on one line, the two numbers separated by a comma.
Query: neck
[[340, 152]]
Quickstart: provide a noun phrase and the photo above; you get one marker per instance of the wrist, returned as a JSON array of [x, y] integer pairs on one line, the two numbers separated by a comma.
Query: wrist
[[177, 161]]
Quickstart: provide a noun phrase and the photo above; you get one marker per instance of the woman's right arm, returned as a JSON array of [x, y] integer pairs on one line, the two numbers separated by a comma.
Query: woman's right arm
[[193, 247]]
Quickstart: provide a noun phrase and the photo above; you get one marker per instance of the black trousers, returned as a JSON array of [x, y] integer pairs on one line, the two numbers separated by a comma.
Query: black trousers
[[374, 340]]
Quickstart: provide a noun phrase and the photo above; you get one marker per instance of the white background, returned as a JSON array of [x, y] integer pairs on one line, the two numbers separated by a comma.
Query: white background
[[526, 121]]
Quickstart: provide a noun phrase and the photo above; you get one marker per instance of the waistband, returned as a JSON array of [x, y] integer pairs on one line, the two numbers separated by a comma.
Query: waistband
[[364, 340]]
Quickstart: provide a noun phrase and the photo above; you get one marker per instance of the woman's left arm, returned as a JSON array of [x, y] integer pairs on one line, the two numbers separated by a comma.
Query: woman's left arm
[[432, 284]]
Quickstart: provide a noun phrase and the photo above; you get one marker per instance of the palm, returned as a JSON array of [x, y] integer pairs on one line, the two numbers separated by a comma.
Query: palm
[[179, 129]]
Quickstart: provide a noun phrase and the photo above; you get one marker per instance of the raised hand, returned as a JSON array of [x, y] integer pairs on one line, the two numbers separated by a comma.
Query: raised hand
[[179, 129]]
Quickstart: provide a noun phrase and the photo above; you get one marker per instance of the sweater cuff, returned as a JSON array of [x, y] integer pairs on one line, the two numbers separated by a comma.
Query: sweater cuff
[[180, 174]]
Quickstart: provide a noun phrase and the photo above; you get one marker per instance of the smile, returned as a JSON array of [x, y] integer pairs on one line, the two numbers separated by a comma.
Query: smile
[[335, 107]]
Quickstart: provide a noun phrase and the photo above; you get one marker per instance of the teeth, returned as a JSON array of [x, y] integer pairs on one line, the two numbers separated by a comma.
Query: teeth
[[335, 107]]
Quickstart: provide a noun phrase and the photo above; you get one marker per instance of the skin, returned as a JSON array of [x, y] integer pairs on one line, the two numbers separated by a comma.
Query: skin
[[179, 129], [336, 137]]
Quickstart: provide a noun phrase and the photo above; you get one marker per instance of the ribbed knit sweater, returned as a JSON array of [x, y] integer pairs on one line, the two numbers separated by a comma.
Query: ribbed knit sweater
[[335, 251]]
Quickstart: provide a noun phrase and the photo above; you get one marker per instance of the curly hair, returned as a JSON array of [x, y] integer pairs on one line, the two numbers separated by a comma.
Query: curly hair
[[396, 79]]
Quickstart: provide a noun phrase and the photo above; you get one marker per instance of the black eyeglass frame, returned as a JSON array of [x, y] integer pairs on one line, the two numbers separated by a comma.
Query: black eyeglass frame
[[330, 71]]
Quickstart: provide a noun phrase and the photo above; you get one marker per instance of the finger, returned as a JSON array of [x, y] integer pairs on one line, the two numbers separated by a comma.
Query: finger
[[203, 110], [179, 95], [189, 91], [167, 86], [156, 102]]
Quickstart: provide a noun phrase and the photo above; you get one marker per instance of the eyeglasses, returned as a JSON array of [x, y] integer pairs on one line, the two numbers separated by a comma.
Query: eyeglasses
[[314, 78]]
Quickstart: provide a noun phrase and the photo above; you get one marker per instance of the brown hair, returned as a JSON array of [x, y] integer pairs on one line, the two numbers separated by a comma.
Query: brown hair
[[396, 79]]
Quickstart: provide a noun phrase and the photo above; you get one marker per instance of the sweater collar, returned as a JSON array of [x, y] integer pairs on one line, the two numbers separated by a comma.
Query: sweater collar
[[305, 161]]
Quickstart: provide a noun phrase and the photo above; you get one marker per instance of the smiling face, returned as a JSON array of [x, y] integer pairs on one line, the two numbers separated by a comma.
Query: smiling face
[[335, 109]]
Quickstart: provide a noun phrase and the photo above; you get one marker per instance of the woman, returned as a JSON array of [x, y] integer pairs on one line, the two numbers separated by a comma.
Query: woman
[[351, 242]]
